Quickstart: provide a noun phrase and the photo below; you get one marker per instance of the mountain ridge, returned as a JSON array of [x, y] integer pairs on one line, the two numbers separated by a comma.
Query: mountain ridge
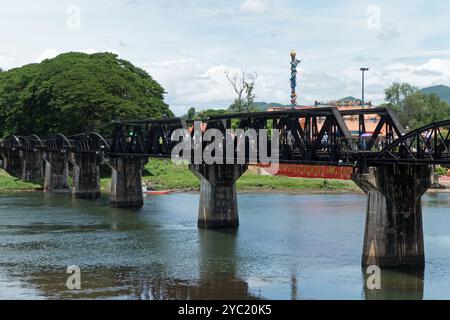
[[442, 91]]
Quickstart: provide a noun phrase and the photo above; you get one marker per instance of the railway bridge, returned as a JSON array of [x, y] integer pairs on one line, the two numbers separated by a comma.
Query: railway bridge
[[392, 166]]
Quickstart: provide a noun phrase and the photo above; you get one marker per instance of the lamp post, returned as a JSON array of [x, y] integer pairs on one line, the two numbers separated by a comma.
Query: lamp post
[[363, 70]]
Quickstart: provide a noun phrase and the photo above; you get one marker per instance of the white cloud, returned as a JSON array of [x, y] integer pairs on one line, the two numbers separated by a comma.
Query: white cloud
[[190, 81], [434, 71], [193, 83], [90, 51], [47, 54], [6, 62], [254, 6]]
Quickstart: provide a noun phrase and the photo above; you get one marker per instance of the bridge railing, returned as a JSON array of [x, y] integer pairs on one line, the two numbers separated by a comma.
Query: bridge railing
[[429, 144], [89, 142], [31, 143]]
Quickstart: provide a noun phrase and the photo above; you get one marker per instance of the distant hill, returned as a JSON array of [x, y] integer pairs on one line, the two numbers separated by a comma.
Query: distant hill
[[441, 91], [263, 106], [348, 99]]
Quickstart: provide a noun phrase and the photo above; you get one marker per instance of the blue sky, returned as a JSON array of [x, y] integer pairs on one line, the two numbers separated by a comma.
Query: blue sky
[[188, 45]]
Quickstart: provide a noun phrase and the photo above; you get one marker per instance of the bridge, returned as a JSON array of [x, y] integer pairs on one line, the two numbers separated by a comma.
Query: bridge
[[392, 166]]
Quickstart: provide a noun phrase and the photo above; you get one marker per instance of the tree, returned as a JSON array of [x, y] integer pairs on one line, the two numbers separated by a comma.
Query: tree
[[205, 114], [77, 92], [397, 93], [243, 85], [191, 114], [421, 109], [413, 108]]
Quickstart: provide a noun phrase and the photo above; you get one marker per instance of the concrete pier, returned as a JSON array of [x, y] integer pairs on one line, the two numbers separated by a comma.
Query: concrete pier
[[13, 162], [56, 171], [405, 283], [394, 234], [126, 182], [218, 200], [86, 175], [32, 167]]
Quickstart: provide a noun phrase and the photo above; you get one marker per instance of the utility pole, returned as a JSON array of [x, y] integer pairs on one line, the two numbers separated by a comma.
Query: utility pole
[[363, 103]]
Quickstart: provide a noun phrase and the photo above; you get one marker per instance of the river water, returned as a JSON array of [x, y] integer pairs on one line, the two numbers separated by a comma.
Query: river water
[[287, 247]]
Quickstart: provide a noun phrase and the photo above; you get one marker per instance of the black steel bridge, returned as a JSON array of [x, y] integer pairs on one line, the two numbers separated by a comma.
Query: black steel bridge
[[392, 166]]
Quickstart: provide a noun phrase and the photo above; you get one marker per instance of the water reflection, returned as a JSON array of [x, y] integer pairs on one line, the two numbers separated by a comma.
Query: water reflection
[[397, 284], [217, 269], [283, 249]]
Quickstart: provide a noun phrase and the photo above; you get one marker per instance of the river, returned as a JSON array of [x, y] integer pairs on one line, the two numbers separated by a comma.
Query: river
[[287, 247]]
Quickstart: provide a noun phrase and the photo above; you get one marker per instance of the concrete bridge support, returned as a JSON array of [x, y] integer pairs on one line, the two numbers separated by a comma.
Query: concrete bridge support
[[32, 166], [126, 182], [56, 171], [13, 162], [394, 234], [86, 175], [218, 199]]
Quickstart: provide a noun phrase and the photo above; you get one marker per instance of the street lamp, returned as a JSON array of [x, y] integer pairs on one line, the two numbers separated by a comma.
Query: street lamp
[[363, 70]]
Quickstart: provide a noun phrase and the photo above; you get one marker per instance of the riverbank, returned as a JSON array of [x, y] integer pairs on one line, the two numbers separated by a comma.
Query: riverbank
[[164, 175], [9, 183]]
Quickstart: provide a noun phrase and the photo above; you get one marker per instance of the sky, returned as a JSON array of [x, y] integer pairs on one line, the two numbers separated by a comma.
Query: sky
[[188, 45]]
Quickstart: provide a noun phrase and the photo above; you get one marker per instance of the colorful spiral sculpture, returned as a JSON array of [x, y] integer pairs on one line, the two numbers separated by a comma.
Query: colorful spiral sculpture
[[294, 65]]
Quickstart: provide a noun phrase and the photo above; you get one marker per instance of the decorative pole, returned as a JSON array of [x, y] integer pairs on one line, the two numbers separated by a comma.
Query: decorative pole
[[294, 64]]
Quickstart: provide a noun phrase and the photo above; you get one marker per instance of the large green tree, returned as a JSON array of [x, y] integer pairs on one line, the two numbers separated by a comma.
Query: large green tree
[[413, 108], [422, 109], [397, 93], [77, 92]]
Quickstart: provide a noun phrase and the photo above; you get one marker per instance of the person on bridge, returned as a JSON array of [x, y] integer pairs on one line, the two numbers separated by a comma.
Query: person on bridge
[[325, 141]]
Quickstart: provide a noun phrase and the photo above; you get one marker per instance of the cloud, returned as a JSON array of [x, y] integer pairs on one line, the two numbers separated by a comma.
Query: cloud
[[388, 34], [432, 72], [364, 58], [6, 62], [47, 54], [427, 73], [193, 83], [254, 6]]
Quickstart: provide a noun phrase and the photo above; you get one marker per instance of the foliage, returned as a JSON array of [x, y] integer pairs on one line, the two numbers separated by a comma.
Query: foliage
[[397, 93], [204, 114], [414, 108], [441, 171], [191, 114], [163, 174], [244, 86], [77, 92]]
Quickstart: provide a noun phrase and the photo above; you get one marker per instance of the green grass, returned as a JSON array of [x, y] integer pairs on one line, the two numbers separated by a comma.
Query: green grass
[[163, 174], [10, 183], [253, 181]]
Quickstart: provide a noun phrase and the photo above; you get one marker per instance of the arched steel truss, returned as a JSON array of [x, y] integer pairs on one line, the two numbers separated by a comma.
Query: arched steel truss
[[427, 145], [314, 135]]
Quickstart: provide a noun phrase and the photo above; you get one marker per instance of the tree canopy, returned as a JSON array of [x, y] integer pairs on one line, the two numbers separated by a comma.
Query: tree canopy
[[77, 92], [414, 108]]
